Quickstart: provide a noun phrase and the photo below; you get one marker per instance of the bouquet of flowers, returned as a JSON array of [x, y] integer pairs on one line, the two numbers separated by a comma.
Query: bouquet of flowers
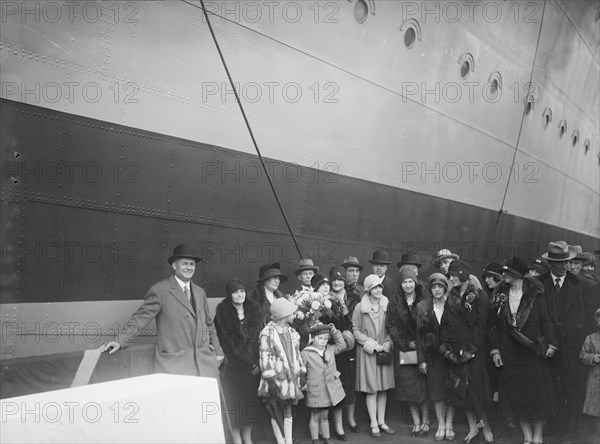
[[311, 306]]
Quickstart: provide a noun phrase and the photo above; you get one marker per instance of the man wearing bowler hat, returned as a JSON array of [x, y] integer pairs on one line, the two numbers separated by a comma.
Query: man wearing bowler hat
[[305, 271], [379, 264], [567, 309], [267, 287], [187, 341]]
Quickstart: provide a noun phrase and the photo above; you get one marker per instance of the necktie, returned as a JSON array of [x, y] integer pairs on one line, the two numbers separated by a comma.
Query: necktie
[[557, 285], [186, 290]]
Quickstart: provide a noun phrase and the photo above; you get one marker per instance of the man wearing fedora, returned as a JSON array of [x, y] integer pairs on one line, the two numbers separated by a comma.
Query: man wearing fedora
[[267, 287], [379, 264], [305, 271], [567, 309], [187, 341]]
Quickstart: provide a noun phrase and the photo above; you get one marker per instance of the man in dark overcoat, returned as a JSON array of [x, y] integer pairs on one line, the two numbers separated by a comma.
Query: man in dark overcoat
[[187, 342], [567, 309]]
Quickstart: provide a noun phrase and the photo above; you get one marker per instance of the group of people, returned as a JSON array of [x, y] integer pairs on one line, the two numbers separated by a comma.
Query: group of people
[[525, 338]]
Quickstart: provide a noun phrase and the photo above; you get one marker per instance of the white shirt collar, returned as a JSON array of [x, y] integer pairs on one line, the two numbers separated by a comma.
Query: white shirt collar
[[561, 279], [182, 284]]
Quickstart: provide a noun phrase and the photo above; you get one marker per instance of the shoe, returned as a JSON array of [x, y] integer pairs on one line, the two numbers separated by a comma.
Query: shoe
[[424, 429], [326, 441], [416, 429], [340, 436], [354, 429], [387, 429], [375, 433], [440, 435], [315, 441]]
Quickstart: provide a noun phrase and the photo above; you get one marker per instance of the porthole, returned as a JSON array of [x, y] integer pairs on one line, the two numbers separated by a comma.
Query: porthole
[[467, 64], [412, 32], [562, 128], [575, 137], [361, 11], [586, 146], [495, 84], [547, 117], [530, 104], [409, 37]]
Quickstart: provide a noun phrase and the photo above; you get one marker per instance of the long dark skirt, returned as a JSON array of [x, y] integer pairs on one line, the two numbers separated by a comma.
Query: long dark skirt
[[437, 375], [478, 393], [240, 389], [411, 384], [347, 376], [529, 392]]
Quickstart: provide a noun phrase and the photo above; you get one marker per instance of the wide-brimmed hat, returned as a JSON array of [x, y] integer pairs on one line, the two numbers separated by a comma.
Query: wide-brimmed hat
[[184, 251], [337, 272], [372, 281], [578, 251], [409, 259], [271, 270], [460, 268], [493, 269], [516, 267], [438, 278], [540, 265], [352, 261], [318, 279], [380, 257], [305, 264], [444, 254], [558, 252], [281, 308]]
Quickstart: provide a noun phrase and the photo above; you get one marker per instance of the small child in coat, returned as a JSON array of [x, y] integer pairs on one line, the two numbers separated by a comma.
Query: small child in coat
[[282, 368], [323, 384], [590, 356]]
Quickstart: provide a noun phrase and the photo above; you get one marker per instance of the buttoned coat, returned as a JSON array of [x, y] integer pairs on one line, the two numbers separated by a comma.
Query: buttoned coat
[[567, 370], [187, 342], [590, 348], [370, 377], [323, 383]]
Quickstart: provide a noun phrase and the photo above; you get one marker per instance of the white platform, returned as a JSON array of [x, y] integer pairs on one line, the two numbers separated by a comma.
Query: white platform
[[155, 408]]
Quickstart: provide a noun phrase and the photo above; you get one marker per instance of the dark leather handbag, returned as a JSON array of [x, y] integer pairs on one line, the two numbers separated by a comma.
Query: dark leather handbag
[[457, 383], [384, 358]]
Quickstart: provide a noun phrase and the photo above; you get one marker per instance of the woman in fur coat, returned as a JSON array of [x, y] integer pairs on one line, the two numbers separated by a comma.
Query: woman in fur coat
[[522, 342], [238, 322], [463, 333]]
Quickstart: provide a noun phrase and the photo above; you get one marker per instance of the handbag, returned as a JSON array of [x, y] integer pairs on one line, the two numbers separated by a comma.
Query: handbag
[[408, 358], [384, 358], [457, 384]]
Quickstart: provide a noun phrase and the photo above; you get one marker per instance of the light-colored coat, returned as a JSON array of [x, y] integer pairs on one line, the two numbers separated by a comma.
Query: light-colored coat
[[277, 365], [187, 342], [590, 348], [324, 387], [370, 377]]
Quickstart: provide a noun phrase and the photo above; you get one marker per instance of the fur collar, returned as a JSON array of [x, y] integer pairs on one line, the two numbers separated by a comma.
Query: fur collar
[[532, 289], [253, 317]]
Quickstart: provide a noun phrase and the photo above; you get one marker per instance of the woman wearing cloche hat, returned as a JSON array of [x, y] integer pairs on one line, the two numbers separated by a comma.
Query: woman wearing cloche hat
[[368, 326], [238, 321], [463, 335], [267, 287]]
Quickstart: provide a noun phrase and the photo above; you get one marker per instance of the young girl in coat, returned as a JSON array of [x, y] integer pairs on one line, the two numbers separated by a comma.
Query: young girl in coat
[[590, 356], [323, 384], [282, 368]]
